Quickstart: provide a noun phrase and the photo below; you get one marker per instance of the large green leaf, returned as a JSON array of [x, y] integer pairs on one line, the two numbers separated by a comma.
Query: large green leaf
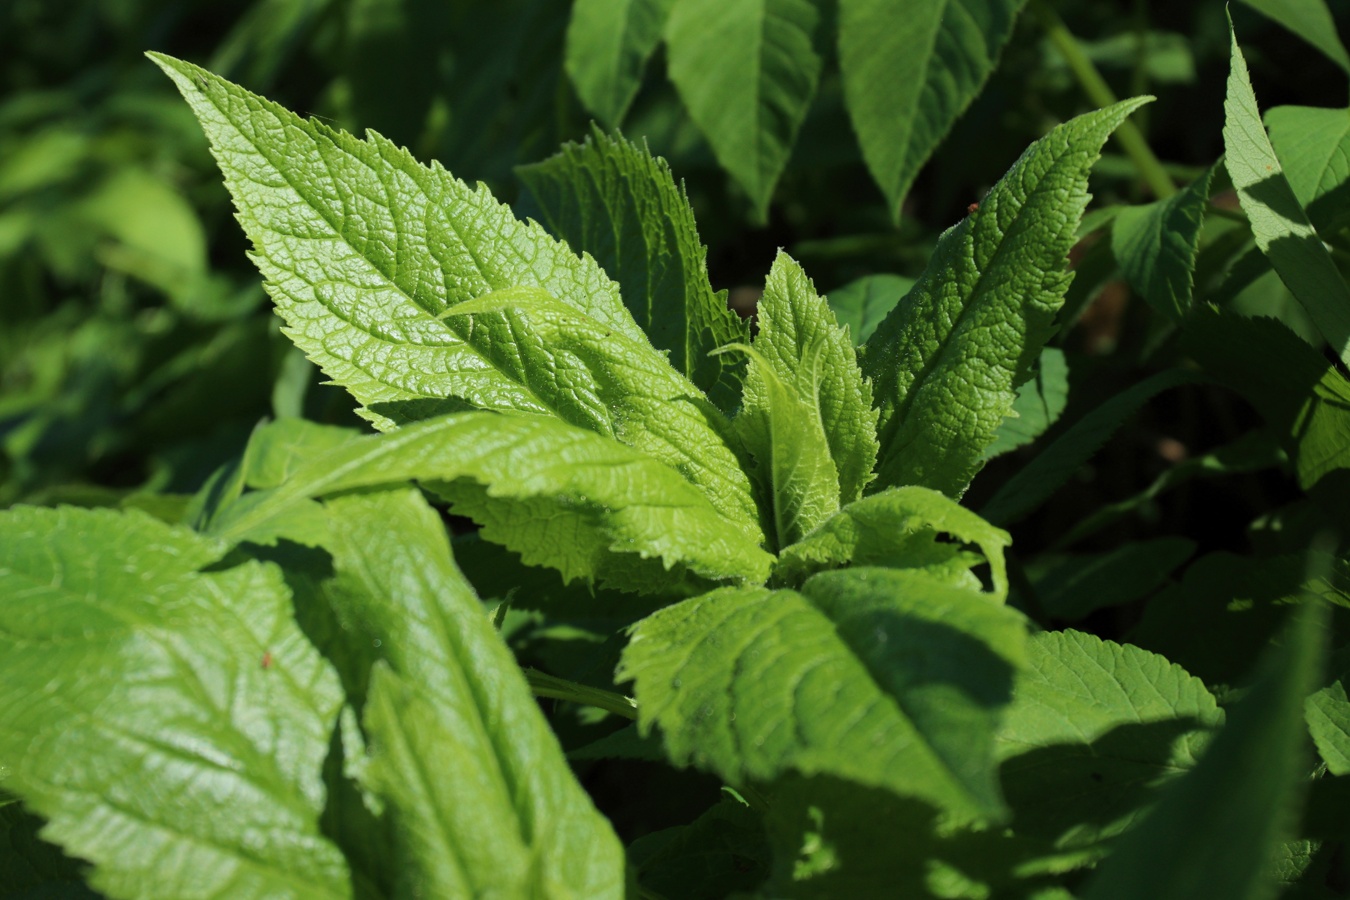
[[1156, 246], [896, 528], [1314, 147], [1328, 715], [1215, 831], [375, 262], [613, 200], [746, 72], [171, 725], [946, 362], [482, 798], [1279, 224], [607, 48], [559, 495], [881, 677], [1310, 20], [1095, 728], [909, 71]]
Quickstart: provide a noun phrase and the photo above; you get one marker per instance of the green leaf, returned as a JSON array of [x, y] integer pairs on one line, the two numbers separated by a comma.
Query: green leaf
[[782, 429], [909, 71], [1094, 730], [804, 345], [31, 867], [161, 719], [1214, 831], [560, 496], [423, 296], [607, 48], [1310, 20], [746, 72], [895, 528], [613, 200], [1314, 147], [884, 678], [482, 798], [1038, 405], [1304, 399], [1054, 465], [861, 304], [1328, 714], [1156, 245], [721, 852], [1082, 584], [945, 363], [1279, 224]]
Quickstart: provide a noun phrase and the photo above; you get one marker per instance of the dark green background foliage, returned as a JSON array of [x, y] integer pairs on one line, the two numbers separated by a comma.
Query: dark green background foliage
[[931, 569]]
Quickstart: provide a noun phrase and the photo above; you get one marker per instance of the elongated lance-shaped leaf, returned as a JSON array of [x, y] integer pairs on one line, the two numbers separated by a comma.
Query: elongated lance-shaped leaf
[[607, 47], [1310, 20], [1279, 224], [783, 431], [896, 528], [1215, 831], [945, 363], [613, 200], [170, 725], [1156, 245], [366, 252], [881, 677], [746, 72], [909, 70], [559, 495], [803, 342], [483, 801]]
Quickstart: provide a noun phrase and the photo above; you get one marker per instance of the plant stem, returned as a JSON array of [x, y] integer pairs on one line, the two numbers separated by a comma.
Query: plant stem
[[545, 685], [1129, 136]]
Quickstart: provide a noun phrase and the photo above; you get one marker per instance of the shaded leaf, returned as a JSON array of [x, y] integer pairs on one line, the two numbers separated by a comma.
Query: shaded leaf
[[1310, 20], [1314, 147], [861, 304], [1082, 584], [1156, 246], [607, 48], [1038, 405]]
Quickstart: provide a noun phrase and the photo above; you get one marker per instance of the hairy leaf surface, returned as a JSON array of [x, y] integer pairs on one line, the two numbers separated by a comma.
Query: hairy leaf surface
[[1095, 729], [171, 725], [607, 48], [613, 200], [1279, 224], [746, 72], [376, 262], [483, 799], [909, 71], [880, 677], [945, 363], [896, 528], [560, 496]]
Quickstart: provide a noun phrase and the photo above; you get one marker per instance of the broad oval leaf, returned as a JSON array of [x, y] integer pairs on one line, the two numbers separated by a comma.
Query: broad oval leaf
[[372, 259], [884, 678], [607, 47], [746, 72], [909, 70], [945, 363], [613, 200], [559, 495], [482, 800], [170, 724]]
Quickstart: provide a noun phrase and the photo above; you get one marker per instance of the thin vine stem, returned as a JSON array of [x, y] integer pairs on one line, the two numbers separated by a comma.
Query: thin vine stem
[[545, 685], [1128, 135]]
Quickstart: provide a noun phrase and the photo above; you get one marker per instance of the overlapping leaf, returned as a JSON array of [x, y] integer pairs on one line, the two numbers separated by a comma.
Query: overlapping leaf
[[482, 798], [170, 725], [909, 71], [746, 71], [372, 259], [613, 200], [945, 363], [559, 495], [1038, 405], [880, 677]]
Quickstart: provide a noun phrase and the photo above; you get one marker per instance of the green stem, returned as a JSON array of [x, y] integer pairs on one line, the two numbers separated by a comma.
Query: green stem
[[1130, 138], [545, 685]]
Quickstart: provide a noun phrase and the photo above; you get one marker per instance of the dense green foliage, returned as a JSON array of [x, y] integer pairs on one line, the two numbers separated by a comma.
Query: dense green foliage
[[1003, 552]]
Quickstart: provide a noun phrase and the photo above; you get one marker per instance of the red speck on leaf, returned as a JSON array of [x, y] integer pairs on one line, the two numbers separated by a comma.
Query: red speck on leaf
[[972, 207], [267, 660]]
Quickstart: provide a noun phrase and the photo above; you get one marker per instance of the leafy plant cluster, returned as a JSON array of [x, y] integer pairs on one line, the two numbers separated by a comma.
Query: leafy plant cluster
[[768, 581]]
